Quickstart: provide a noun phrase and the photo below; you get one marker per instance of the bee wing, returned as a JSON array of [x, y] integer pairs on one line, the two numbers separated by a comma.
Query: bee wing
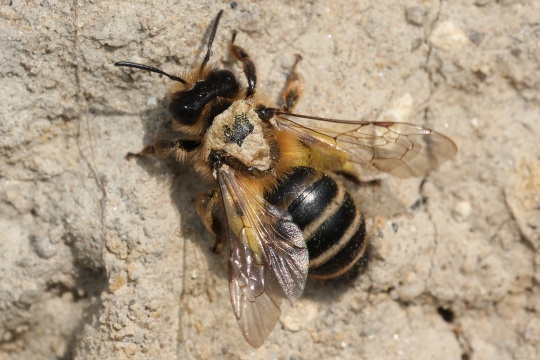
[[255, 293], [267, 257], [400, 149]]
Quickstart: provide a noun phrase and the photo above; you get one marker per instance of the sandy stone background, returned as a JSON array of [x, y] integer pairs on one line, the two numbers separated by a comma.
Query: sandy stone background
[[101, 258]]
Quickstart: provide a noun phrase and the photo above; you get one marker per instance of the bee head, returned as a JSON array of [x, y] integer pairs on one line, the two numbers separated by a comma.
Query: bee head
[[187, 106]]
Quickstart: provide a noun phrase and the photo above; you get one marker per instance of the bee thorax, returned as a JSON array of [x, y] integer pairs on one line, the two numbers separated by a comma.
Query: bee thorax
[[240, 134]]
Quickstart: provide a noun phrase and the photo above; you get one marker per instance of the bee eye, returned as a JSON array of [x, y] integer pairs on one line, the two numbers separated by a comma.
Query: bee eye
[[227, 81]]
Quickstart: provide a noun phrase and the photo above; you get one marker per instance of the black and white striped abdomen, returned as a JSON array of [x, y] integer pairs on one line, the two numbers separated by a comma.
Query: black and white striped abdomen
[[331, 223]]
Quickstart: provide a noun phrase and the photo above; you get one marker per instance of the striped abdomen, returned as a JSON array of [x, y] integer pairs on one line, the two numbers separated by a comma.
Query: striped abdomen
[[332, 225]]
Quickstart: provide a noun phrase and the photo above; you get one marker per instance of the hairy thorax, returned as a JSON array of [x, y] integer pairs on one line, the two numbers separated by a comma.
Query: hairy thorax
[[242, 139]]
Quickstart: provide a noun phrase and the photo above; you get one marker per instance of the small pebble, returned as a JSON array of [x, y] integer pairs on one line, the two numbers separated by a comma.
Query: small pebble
[[415, 15], [43, 247], [462, 210]]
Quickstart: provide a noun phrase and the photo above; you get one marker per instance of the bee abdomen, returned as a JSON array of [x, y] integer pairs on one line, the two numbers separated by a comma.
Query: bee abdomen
[[331, 223]]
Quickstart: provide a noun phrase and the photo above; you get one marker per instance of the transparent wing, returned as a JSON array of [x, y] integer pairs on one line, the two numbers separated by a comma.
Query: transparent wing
[[400, 149], [267, 257], [254, 291]]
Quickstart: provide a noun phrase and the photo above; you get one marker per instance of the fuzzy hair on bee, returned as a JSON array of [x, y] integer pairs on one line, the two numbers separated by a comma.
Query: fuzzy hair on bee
[[286, 212]]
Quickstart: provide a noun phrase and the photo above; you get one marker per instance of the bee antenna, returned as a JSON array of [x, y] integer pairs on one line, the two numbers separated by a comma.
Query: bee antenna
[[211, 40], [149, 68]]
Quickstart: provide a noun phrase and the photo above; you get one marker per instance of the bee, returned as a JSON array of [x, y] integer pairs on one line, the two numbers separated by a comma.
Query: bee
[[286, 213]]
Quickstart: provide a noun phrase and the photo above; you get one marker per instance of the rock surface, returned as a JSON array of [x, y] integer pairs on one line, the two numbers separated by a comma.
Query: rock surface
[[105, 258]]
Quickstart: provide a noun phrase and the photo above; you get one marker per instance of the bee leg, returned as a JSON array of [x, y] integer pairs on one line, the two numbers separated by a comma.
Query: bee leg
[[206, 203], [164, 148], [249, 67], [293, 88], [352, 176], [148, 150]]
